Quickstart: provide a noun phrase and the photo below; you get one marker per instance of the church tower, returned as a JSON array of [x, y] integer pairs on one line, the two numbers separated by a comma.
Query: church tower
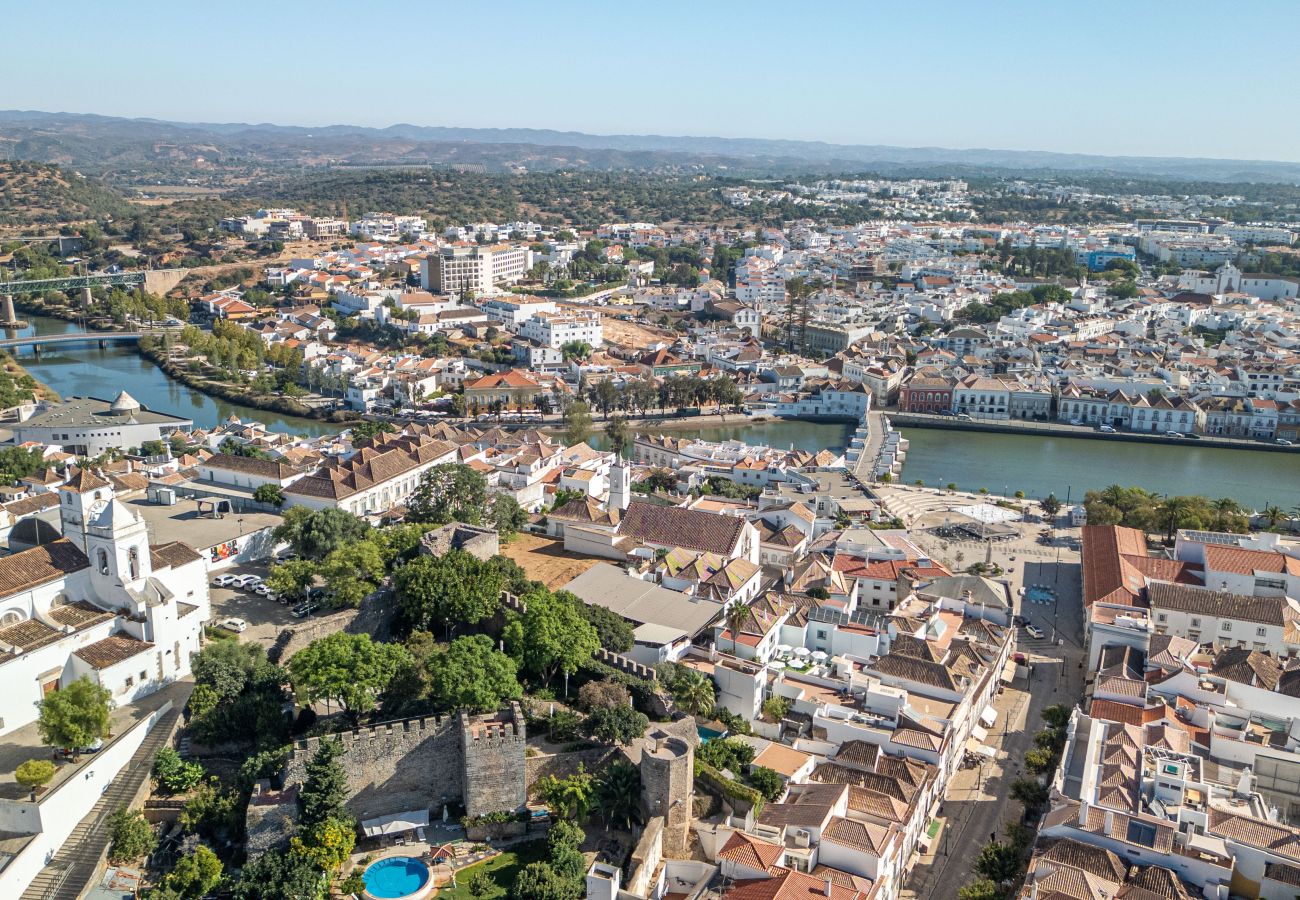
[[117, 543], [80, 500], [620, 486]]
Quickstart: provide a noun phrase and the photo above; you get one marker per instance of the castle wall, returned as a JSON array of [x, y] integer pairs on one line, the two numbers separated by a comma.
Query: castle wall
[[400, 766]]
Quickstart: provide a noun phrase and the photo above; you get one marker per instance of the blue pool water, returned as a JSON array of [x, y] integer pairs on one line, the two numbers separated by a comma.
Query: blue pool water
[[396, 876], [707, 734], [1036, 594]]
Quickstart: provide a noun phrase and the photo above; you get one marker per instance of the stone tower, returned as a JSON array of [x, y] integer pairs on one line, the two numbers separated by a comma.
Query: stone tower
[[492, 756], [668, 786]]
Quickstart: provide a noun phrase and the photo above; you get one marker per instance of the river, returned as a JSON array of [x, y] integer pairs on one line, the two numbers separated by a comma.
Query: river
[[1043, 465], [1036, 465], [86, 369]]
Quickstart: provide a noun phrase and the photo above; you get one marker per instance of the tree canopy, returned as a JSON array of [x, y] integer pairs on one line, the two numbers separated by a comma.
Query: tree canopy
[[348, 669], [472, 674], [442, 592], [76, 716], [316, 533]]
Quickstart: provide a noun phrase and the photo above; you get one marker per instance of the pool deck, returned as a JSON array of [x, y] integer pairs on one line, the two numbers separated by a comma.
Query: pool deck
[[441, 874]]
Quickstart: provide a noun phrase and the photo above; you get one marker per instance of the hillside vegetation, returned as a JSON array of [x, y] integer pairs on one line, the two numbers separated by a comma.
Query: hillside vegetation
[[36, 194]]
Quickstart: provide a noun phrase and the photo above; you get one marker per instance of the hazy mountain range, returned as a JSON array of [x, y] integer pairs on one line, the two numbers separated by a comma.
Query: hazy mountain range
[[117, 146]]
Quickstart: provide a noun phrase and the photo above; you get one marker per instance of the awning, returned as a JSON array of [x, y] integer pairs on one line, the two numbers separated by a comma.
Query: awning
[[989, 716], [396, 823], [979, 733], [1009, 671]]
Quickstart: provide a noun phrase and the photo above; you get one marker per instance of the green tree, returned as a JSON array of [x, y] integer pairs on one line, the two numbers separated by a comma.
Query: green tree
[[612, 630], [577, 422], [270, 494], [349, 669], [316, 533], [1050, 504], [619, 435], [600, 694], [552, 637], [737, 616], [76, 716], [352, 572], [292, 578], [998, 862], [1031, 793], [539, 881], [454, 588], [282, 876], [693, 693], [506, 515], [616, 724], [618, 793], [568, 798], [472, 674], [129, 836], [766, 781], [980, 889], [450, 492], [324, 793], [363, 431], [34, 773], [194, 876], [174, 774], [327, 843]]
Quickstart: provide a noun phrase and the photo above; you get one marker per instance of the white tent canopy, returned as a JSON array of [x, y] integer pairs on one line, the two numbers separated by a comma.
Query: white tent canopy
[[395, 823]]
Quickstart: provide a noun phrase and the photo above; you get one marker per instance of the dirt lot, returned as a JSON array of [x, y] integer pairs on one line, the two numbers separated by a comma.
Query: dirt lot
[[630, 334], [545, 559]]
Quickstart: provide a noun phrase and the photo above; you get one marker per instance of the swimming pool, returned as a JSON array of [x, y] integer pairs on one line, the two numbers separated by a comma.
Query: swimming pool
[[396, 876]]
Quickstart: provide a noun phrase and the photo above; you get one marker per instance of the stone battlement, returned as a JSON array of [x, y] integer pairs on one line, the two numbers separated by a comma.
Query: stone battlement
[[384, 731], [626, 665]]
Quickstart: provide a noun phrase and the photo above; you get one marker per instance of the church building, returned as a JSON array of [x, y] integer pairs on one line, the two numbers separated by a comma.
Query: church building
[[100, 602]]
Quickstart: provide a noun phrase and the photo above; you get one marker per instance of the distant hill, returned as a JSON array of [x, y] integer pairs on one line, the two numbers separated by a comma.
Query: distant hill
[[36, 194], [137, 150]]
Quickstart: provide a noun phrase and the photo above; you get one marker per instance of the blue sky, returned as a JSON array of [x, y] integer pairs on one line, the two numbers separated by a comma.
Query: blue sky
[[1185, 78]]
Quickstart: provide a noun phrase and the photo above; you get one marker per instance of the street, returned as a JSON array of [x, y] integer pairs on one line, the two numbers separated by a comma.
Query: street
[[977, 802]]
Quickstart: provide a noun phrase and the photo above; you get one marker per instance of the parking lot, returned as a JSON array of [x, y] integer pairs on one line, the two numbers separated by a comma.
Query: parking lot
[[264, 616]]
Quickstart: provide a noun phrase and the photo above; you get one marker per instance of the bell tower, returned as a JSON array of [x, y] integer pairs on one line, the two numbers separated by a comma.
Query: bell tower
[[80, 500]]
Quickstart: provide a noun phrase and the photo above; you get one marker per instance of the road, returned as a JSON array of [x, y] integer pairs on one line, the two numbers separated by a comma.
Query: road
[[977, 802]]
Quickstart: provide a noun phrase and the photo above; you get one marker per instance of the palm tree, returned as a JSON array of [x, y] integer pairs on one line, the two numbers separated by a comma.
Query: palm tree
[[1225, 508], [618, 791], [694, 693], [1272, 515], [737, 616], [1169, 513]]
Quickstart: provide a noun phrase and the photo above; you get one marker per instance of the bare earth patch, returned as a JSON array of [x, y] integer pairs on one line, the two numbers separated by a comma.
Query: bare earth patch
[[546, 560]]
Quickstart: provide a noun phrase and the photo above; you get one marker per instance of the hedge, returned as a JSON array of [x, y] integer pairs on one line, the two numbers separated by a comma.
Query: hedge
[[717, 783]]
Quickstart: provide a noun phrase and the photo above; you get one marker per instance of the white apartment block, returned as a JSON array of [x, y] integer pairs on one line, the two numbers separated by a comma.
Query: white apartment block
[[480, 270], [554, 330]]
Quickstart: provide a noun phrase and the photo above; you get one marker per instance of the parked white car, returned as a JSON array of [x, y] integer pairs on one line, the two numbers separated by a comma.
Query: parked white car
[[236, 625], [223, 580]]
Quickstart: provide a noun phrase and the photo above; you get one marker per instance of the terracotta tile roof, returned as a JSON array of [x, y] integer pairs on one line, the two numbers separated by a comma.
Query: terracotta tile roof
[[1086, 857], [36, 503], [28, 635], [1240, 561], [84, 482], [866, 837], [750, 851], [29, 568], [1221, 604], [248, 465], [79, 615], [1279, 839], [112, 650], [672, 526], [791, 885], [175, 553]]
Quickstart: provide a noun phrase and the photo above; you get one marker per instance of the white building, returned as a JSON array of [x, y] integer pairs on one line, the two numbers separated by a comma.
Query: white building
[[473, 268], [554, 330]]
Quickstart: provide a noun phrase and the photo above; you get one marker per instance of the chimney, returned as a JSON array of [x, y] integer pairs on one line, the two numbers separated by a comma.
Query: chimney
[[828, 885]]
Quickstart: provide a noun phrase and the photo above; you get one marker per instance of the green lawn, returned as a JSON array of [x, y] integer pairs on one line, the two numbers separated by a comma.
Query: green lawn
[[502, 868]]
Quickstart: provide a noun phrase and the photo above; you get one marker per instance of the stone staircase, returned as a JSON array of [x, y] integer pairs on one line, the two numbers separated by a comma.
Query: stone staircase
[[69, 873]]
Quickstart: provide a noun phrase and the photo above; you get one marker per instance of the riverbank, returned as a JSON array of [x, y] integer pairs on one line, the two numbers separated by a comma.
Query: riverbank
[[284, 406], [41, 391], [1080, 432]]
